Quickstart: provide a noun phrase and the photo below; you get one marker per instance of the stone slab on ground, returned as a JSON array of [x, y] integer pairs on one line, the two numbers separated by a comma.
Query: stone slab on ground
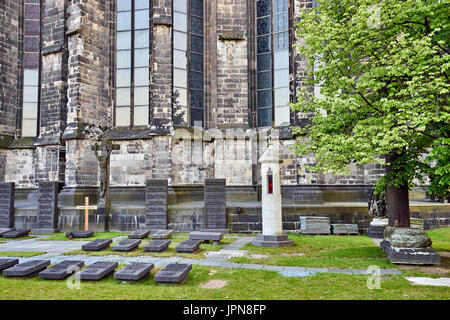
[[126, 245], [5, 230], [415, 256], [188, 246], [161, 234], [315, 225], [96, 245], [80, 234], [423, 281], [7, 263], [173, 273], [26, 269], [272, 241], [134, 271], [156, 245], [17, 233], [61, 270], [139, 234], [344, 229], [376, 228], [215, 237], [98, 270]]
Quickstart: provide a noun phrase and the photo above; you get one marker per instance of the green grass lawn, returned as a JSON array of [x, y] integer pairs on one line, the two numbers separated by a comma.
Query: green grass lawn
[[440, 238], [61, 236], [169, 252], [21, 254], [241, 284], [357, 252]]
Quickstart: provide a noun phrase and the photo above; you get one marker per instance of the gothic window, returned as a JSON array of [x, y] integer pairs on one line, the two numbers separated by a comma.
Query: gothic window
[[132, 63], [188, 62], [31, 71], [272, 32]]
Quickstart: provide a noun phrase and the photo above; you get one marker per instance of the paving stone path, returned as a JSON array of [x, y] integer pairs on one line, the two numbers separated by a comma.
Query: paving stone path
[[219, 258]]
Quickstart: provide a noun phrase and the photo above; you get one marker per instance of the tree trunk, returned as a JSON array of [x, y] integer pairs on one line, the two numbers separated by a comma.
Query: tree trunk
[[397, 198]]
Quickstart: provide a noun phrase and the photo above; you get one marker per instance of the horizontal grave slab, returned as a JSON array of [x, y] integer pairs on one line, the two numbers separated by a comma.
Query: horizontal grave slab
[[61, 270], [126, 245], [5, 230], [188, 246], [26, 269], [161, 234], [80, 234], [98, 270], [134, 271], [96, 245], [156, 245], [17, 233], [139, 234], [215, 237], [173, 273], [345, 229], [7, 263]]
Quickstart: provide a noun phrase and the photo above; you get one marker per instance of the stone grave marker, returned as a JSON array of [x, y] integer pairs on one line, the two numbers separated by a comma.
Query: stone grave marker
[[26, 269], [215, 210], [79, 234], [156, 245], [139, 234], [61, 270], [17, 233], [98, 270], [161, 234], [188, 246], [377, 227], [346, 229], [215, 237], [156, 204], [7, 263], [7, 192], [173, 273], [126, 245], [134, 271], [315, 225], [96, 245], [47, 216]]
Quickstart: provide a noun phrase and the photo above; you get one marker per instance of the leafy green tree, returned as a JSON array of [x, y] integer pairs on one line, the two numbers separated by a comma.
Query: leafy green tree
[[383, 68]]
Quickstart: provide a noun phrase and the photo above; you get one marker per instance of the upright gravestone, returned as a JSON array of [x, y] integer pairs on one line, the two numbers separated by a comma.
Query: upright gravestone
[[156, 204], [47, 217], [7, 191], [215, 210]]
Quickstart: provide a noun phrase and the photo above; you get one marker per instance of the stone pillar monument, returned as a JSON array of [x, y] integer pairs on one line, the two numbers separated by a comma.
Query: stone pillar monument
[[272, 233]]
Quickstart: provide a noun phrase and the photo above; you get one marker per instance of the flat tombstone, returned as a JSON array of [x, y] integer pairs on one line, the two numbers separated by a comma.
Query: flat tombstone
[[156, 245], [98, 270], [5, 230], [17, 233], [156, 204], [188, 246], [345, 229], [134, 271], [215, 211], [139, 234], [96, 245], [7, 263], [47, 217], [126, 245], [7, 192], [80, 234], [215, 237], [162, 234], [315, 225], [26, 269], [61, 270], [173, 273]]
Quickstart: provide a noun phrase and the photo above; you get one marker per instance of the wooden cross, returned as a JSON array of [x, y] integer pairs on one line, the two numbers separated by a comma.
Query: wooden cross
[[86, 209]]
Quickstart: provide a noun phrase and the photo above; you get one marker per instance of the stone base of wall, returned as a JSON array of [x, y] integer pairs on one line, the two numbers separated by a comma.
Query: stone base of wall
[[243, 208]]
